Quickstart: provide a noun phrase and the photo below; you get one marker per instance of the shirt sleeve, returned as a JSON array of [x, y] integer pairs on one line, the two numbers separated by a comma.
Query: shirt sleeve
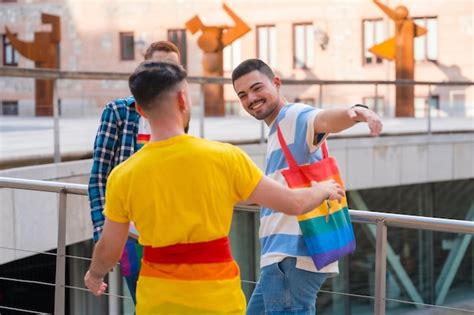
[[115, 209], [246, 174], [314, 140], [105, 145]]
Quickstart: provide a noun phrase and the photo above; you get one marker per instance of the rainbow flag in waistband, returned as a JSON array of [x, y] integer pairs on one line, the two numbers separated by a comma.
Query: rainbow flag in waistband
[[194, 278]]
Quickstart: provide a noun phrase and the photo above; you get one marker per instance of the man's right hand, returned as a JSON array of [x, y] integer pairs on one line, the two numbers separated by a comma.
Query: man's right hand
[[332, 188]]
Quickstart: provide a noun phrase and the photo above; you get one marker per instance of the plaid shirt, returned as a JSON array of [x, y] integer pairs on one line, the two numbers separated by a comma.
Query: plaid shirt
[[116, 140]]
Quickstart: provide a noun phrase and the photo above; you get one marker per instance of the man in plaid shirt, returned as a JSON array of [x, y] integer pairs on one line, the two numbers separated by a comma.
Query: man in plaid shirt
[[122, 131]]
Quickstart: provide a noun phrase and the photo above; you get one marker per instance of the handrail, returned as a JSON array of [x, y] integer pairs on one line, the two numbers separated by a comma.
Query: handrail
[[381, 219], [94, 75], [359, 216]]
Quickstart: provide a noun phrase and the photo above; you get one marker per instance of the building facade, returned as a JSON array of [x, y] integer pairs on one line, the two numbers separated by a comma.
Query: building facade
[[303, 39]]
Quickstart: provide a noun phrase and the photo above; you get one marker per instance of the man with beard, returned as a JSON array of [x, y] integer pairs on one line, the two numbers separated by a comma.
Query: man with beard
[[122, 131], [289, 280], [180, 191]]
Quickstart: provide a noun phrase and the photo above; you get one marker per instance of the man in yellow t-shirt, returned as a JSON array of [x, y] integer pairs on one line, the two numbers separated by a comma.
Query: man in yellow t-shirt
[[180, 191]]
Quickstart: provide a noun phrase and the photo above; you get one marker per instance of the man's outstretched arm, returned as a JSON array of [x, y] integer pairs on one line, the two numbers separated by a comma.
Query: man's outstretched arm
[[335, 120], [271, 194]]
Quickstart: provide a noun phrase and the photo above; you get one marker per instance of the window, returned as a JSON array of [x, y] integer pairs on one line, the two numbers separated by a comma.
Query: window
[[421, 106], [127, 46], [303, 46], [372, 34], [266, 44], [178, 37], [426, 46], [232, 108], [9, 108], [374, 103], [232, 55], [10, 55], [306, 100]]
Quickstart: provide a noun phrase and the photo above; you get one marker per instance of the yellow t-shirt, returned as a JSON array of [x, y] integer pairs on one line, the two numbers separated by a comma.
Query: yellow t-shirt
[[182, 190]]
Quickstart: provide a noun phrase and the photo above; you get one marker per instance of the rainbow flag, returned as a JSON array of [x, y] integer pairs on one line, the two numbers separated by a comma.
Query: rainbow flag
[[193, 278]]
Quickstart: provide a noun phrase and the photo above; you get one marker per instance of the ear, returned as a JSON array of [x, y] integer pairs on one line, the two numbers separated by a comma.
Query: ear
[[140, 110], [277, 82], [182, 102]]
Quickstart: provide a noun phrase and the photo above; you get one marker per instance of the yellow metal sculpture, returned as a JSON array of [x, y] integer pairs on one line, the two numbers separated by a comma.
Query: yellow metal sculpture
[[44, 51], [212, 41], [400, 49]]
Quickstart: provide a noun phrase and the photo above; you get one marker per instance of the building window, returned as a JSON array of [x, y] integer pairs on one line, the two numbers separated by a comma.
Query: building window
[[232, 55], [10, 55], [374, 103], [372, 34], [9, 108], [426, 46], [266, 44], [127, 46], [232, 108], [178, 37], [422, 103], [306, 100], [303, 46]]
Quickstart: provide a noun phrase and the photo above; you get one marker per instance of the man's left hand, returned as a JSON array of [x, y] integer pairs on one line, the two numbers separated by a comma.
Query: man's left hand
[[96, 285], [360, 114]]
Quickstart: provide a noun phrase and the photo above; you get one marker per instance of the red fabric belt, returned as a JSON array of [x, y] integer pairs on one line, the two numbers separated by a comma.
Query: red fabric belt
[[215, 251]]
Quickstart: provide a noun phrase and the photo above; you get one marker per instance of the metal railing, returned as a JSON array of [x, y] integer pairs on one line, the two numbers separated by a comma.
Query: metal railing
[[123, 76], [380, 219]]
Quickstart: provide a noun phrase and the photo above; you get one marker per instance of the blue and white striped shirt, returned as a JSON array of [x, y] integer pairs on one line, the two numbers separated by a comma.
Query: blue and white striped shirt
[[280, 234]]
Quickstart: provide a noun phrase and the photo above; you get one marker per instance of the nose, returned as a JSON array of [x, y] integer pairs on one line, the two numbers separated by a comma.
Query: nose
[[252, 97]]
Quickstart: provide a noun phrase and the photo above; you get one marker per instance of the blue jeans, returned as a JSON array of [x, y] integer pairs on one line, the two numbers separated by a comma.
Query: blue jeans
[[284, 289]]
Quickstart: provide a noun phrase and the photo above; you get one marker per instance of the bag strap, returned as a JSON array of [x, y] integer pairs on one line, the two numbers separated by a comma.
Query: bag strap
[[289, 157], [286, 151]]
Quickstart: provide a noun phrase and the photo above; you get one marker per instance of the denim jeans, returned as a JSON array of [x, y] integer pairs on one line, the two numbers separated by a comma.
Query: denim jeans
[[284, 289]]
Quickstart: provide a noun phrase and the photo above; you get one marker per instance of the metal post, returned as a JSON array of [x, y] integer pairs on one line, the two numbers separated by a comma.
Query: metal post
[[429, 109], [376, 99], [320, 100], [57, 153], [59, 291], [262, 132], [201, 111], [380, 268]]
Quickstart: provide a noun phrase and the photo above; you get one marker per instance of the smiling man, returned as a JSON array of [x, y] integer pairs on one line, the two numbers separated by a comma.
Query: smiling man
[[289, 281]]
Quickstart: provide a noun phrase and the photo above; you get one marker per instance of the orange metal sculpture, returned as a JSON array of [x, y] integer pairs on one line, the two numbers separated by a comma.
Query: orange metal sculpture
[[400, 49], [44, 51], [212, 41]]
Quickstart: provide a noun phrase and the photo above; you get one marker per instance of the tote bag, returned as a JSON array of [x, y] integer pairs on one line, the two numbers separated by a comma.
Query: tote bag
[[327, 230]]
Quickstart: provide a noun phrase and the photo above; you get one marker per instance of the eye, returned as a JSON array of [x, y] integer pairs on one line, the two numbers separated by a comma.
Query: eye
[[242, 96]]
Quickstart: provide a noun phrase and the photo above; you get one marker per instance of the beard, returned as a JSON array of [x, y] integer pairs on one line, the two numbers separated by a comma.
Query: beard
[[264, 114]]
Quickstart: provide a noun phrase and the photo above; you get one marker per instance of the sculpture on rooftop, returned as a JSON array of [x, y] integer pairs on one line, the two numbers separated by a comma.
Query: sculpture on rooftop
[[44, 51], [400, 49], [212, 41]]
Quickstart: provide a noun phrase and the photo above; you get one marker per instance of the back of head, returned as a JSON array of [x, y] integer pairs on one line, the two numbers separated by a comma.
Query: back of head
[[250, 65], [152, 80], [162, 45]]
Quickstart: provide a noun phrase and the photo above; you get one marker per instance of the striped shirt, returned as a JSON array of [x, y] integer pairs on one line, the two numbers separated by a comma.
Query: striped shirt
[[280, 235], [122, 131]]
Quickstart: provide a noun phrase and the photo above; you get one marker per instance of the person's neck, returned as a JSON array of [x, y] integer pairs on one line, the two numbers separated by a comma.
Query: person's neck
[[165, 129], [270, 119]]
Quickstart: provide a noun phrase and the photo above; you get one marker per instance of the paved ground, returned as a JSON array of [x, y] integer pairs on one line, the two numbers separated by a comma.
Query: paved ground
[[27, 138]]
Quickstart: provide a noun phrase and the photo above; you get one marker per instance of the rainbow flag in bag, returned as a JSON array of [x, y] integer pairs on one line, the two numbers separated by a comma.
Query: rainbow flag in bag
[[327, 230]]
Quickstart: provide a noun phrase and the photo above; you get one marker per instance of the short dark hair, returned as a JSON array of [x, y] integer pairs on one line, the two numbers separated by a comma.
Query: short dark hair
[[250, 65], [151, 79], [161, 45]]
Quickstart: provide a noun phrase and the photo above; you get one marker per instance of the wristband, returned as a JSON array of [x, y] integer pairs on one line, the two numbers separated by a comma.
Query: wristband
[[360, 105]]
